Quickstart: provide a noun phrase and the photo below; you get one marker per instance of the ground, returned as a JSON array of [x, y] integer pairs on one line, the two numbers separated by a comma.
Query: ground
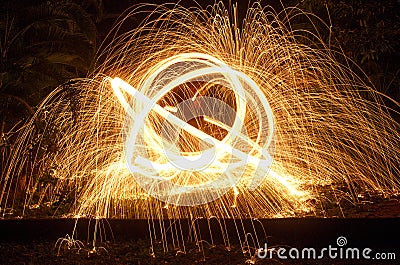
[[138, 251]]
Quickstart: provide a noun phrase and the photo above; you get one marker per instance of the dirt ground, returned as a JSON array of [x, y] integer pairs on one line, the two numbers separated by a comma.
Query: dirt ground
[[140, 251]]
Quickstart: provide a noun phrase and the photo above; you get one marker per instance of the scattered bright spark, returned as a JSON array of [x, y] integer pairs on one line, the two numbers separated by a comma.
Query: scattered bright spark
[[126, 147]]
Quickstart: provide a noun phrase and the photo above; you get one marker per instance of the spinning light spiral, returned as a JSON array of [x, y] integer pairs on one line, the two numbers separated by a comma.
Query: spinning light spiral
[[221, 167], [193, 114]]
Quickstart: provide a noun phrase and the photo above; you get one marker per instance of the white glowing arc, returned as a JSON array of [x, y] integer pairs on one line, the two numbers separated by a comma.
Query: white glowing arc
[[145, 101]]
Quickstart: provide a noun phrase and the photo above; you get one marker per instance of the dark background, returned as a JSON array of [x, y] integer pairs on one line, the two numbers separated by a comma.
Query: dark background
[[43, 44], [46, 43]]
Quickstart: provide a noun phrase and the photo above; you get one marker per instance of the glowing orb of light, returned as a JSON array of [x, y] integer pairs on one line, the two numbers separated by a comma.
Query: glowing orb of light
[[183, 164]]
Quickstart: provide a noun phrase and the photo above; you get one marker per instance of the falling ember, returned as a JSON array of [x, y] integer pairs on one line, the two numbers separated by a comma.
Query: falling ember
[[191, 109]]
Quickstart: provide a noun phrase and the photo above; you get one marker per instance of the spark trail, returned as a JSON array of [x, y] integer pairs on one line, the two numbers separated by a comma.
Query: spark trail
[[141, 137]]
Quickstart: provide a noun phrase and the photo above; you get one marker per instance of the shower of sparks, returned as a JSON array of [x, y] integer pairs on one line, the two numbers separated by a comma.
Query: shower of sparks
[[301, 120]]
